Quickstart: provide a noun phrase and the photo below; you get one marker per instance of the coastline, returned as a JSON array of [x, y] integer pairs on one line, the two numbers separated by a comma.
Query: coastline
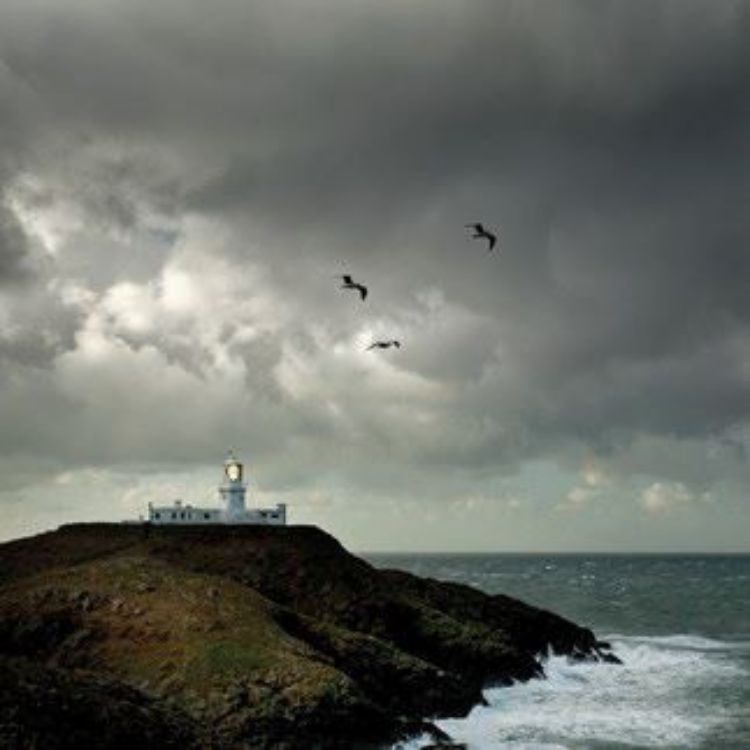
[[261, 634]]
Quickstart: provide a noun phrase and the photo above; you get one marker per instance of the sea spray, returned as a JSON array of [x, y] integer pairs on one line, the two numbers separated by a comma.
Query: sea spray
[[649, 702], [681, 624]]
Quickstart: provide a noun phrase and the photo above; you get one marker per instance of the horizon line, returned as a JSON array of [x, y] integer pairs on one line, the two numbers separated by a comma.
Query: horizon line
[[643, 553]]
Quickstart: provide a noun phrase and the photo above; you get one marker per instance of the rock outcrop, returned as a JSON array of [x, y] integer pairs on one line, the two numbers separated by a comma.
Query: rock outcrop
[[245, 637]]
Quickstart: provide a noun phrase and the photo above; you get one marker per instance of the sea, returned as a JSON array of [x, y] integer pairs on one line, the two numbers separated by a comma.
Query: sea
[[680, 624]]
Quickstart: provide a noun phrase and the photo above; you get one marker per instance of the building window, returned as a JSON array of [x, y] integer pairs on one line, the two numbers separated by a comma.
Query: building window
[[157, 515], [182, 516], [174, 515], [206, 515]]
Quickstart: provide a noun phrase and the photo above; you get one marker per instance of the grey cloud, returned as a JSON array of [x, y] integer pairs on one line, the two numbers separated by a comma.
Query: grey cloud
[[607, 140], [13, 248]]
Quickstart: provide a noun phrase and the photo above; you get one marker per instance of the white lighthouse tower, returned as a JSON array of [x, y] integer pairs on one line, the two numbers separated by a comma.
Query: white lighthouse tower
[[232, 490]]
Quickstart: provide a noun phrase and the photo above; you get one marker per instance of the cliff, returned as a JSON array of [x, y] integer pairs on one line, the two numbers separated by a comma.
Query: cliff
[[254, 637]]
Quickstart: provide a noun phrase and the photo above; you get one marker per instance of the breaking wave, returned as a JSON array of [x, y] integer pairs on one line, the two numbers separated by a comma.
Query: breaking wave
[[663, 696]]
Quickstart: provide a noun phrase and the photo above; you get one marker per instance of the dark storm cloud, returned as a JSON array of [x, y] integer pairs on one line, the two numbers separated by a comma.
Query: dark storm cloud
[[391, 110], [607, 139]]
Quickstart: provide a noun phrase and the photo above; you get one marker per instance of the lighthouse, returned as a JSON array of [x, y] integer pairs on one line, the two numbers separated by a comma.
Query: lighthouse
[[232, 491]]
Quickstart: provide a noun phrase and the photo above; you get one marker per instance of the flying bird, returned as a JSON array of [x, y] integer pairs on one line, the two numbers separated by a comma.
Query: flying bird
[[384, 345], [349, 283], [481, 233]]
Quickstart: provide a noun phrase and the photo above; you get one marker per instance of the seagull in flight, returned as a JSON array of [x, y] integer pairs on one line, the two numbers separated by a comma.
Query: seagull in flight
[[481, 233], [384, 345], [349, 283]]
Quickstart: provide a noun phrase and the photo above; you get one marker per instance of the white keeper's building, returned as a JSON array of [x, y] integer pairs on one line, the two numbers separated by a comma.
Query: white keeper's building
[[232, 491]]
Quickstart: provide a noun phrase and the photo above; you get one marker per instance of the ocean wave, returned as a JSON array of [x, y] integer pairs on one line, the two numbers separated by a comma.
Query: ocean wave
[[660, 697], [679, 641]]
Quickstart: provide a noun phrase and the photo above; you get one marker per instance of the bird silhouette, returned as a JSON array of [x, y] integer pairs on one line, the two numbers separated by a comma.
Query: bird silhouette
[[349, 283], [384, 345], [481, 233]]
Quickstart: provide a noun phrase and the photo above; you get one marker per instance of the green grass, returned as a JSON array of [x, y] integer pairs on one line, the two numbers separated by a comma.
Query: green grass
[[225, 659]]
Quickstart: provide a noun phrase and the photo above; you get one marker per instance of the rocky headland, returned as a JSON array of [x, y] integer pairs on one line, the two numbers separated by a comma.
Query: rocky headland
[[245, 637]]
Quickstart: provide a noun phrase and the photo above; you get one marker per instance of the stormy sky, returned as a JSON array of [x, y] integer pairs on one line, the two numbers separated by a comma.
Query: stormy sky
[[180, 182]]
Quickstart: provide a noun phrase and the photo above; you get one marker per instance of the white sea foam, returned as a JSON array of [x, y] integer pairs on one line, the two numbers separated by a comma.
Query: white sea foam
[[681, 641], [649, 701]]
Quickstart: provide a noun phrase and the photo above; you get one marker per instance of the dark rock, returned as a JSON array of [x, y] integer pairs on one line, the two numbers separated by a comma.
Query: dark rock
[[42, 707], [38, 635], [603, 653]]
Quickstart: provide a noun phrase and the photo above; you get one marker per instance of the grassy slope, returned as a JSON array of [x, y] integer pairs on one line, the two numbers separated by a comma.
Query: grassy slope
[[268, 634], [209, 645]]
